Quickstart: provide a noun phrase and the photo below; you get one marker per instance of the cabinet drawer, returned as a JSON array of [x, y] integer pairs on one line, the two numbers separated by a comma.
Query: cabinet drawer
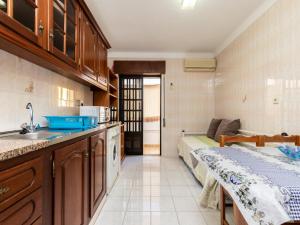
[[25, 212], [20, 181]]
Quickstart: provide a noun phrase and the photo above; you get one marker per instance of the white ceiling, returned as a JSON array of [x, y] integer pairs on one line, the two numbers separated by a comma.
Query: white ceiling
[[162, 26]]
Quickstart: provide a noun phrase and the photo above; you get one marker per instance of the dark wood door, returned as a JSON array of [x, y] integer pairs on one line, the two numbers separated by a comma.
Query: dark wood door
[[98, 171], [131, 113], [70, 184], [88, 48], [63, 32], [25, 17]]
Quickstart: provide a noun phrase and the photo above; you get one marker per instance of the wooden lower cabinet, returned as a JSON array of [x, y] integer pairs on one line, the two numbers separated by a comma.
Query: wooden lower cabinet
[[59, 185], [21, 193], [97, 171], [70, 186], [28, 211]]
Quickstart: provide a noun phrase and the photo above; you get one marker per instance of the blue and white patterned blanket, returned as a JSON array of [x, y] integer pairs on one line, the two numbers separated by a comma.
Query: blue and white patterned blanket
[[265, 188]]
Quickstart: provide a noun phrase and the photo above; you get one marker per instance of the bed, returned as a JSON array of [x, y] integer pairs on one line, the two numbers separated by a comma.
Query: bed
[[263, 183], [210, 194]]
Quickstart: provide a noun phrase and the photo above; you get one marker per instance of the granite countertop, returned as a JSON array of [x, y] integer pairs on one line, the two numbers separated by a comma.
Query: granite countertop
[[11, 146]]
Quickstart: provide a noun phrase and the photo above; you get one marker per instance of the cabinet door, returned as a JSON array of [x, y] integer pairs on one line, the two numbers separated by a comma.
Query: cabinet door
[[102, 62], [19, 181], [70, 184], [26, 211], [88, 51], [25, 17], [98, 171], [64, 30]]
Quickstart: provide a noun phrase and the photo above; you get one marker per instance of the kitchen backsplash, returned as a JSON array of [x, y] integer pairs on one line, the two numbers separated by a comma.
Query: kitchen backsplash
[[50, 93]]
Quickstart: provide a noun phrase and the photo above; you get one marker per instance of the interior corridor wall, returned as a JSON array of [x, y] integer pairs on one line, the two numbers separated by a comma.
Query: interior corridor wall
[[258, 75], [189, 102]]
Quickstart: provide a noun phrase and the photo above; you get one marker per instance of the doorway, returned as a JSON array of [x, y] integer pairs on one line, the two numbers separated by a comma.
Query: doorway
[[152, 109], [140, 107]]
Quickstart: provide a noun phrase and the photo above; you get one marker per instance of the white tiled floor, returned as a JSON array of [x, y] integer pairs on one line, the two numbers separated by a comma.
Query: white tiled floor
[[153, 190]]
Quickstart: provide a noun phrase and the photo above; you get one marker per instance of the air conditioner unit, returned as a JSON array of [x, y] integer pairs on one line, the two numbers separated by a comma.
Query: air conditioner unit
[[200, 65]]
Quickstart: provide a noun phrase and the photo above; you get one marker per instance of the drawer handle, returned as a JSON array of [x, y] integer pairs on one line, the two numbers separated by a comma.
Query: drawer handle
[[4, 190]]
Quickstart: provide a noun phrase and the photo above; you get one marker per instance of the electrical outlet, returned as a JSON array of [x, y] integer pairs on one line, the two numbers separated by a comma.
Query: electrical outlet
[[244, 99]]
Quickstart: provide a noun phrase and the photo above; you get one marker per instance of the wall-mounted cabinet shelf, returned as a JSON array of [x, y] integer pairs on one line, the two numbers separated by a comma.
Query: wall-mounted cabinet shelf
[[113, 95], [113, 87], [109, 98]]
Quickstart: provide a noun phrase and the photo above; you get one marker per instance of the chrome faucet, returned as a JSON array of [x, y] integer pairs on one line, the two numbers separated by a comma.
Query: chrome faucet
[[31, 127]]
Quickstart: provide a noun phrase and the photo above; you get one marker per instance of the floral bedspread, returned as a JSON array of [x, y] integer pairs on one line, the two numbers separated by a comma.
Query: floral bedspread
[[266, 189]]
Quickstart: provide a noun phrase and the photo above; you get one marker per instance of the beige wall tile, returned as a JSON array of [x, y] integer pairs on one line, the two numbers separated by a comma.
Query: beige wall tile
[[263, 64], [16, 75], [189, 103]]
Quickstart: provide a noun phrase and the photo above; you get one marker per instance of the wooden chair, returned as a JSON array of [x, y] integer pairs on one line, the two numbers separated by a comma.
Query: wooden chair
[[260, 141]]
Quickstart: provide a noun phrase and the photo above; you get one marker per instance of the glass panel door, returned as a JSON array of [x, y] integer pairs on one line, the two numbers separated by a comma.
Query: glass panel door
[[25, 17], [64, 27], [131, 113], [59, 24], [71, 29], [24, 12]]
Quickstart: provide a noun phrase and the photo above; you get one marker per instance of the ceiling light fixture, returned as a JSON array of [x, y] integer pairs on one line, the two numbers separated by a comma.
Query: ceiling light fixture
[[188, 4]]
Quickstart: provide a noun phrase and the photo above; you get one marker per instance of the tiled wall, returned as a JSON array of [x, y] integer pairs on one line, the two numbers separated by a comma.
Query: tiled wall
[[189, 102], [16, 77], [258, 75]]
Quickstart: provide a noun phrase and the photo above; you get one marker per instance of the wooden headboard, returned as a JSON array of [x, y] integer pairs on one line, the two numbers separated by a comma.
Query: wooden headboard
[[259, 140]]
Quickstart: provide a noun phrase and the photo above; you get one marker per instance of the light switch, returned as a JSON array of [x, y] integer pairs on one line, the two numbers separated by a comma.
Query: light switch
[[276, 101]]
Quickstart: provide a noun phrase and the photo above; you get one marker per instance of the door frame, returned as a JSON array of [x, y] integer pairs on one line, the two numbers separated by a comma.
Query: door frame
[[161, 106]]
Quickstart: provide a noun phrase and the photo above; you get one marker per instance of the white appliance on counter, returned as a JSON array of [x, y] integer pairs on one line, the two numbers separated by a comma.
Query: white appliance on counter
[[113, 163], [101, 112]]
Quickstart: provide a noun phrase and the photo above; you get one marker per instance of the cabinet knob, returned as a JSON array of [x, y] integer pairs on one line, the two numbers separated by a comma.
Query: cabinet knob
[[4, 190], [41, 27], [51, 35]]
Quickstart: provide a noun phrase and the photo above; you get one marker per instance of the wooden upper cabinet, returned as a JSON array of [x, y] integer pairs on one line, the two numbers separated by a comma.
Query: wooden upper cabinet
[[102, 62], [28, 18], [88, 48], [64, 30], [61, 35]]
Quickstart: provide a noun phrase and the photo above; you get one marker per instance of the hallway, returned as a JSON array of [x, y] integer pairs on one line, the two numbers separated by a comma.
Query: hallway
[[154, 190]]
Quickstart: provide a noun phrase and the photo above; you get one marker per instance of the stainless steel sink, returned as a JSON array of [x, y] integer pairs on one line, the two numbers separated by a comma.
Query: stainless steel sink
[[38, 135]]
